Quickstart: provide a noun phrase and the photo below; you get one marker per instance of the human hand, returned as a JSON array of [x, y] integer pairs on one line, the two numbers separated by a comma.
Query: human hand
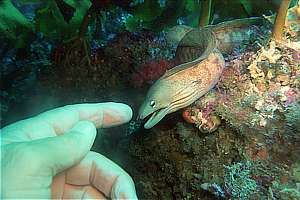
[[48, 156]]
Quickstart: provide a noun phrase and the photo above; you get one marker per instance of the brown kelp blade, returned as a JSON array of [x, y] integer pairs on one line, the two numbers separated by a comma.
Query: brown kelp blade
[[197, 44]]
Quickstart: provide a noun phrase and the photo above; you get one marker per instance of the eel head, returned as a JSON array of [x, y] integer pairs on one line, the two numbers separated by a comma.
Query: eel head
[[157, 103]]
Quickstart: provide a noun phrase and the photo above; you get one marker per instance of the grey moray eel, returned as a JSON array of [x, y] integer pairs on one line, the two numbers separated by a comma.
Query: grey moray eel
[[199, 66]]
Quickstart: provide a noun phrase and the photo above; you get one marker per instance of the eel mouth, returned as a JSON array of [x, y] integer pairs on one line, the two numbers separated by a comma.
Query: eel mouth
[[155, 117]]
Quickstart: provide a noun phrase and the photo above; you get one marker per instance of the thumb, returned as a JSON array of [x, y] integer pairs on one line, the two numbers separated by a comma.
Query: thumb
[[61, 152]]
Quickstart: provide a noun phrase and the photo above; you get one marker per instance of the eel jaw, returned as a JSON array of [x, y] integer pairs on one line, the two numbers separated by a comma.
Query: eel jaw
[[156, 117]]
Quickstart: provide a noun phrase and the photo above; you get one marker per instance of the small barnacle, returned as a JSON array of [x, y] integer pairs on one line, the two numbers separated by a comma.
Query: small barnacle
[[259, 104], [212, 124], [282, 93], [269, 54], [263, 122], [284, 79], [270, 74], [205, 123], [255, 72]]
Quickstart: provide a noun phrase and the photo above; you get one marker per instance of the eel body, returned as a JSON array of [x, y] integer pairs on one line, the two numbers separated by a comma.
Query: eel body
[[199, 67]]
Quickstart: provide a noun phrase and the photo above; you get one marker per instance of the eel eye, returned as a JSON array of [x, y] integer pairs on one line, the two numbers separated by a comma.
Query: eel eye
[[152, 104]]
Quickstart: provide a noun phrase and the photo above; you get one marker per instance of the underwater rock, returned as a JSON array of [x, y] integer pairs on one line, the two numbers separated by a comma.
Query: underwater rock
[[257, 98]]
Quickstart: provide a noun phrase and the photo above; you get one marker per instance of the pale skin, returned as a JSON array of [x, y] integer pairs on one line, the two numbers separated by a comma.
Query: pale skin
[[48, 156]]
